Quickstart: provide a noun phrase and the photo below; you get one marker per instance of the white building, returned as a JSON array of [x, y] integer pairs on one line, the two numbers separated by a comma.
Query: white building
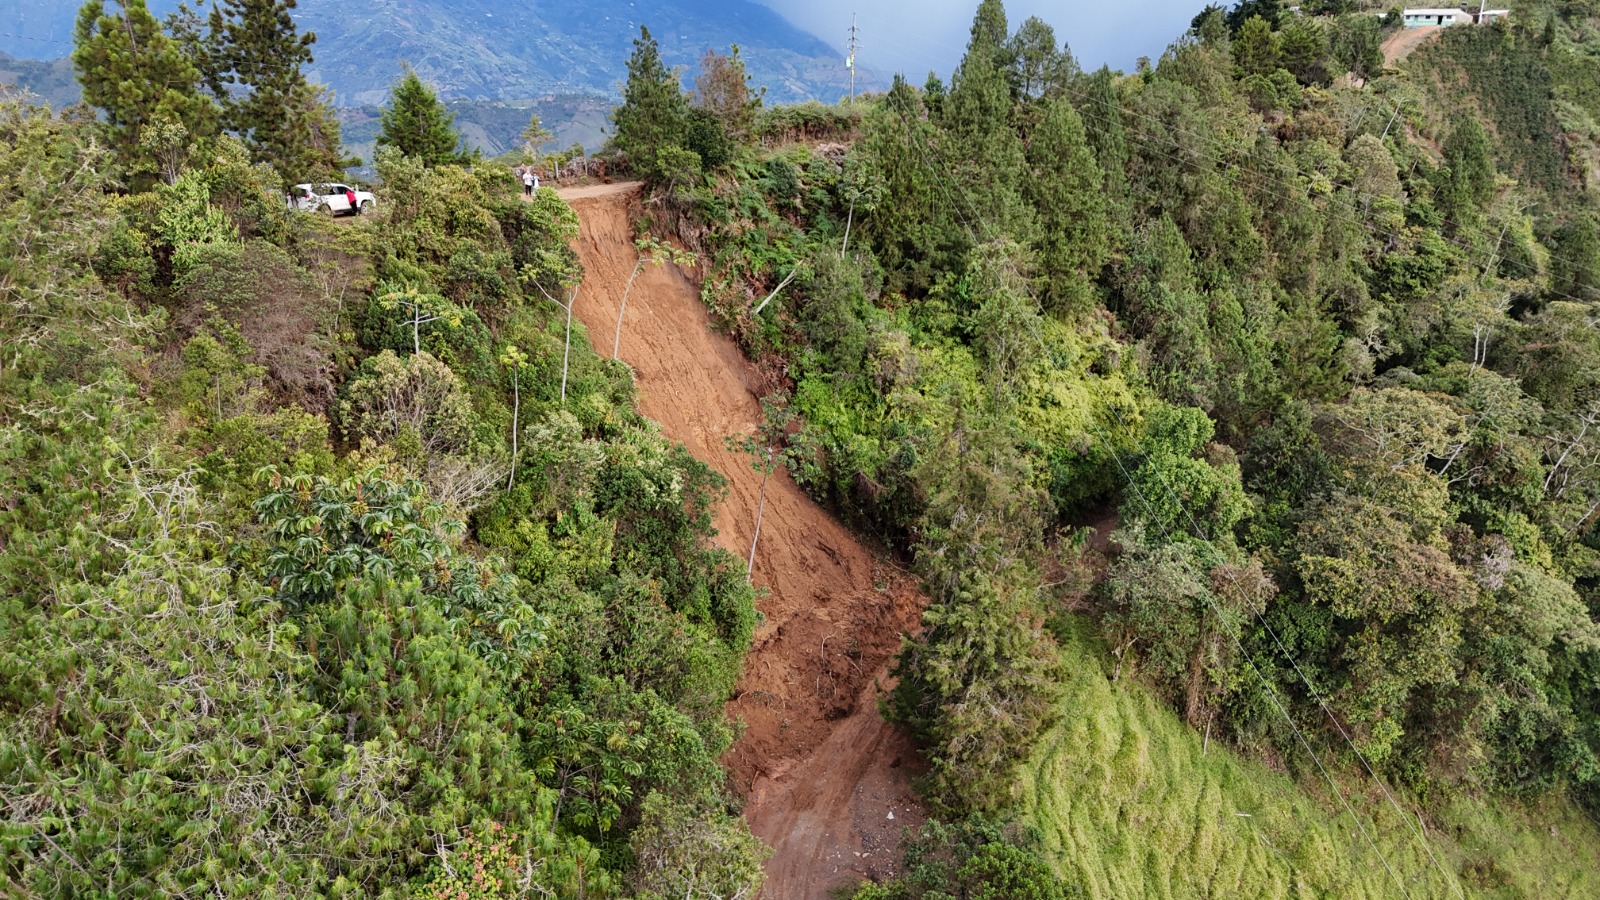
[[1422, 18]]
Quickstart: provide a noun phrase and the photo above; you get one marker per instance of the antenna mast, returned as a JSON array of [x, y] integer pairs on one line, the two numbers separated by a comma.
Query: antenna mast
[[850, 61]]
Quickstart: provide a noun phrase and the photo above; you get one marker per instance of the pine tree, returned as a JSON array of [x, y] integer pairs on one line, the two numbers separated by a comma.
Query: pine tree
[[317, 147], [918, 226], [1064, 186], [1267, 10], [1256, 50], [988, 34], [1467, 180], [1575, 266], [1101, 114], [1303, 45], [1038, 66], [256, 49], [140, 79], [654, 114], [418, 125], [977, 116], [1210, 25], [723, 89], [190, 31]]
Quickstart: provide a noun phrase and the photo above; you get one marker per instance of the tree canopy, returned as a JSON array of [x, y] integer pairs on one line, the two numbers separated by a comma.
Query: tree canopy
[[416, 124]]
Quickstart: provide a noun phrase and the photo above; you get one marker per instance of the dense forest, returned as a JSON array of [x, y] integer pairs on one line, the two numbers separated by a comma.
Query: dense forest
[[335, 562], [1320, 334]]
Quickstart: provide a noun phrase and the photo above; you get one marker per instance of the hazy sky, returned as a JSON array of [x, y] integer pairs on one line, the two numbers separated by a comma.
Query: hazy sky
[[915, 36]]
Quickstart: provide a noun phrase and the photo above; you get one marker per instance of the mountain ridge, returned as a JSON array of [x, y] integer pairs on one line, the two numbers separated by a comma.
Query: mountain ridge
[[482, 50]]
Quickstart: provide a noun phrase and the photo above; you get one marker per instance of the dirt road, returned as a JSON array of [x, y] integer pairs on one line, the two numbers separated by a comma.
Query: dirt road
[[827, 781], [1399, 45]]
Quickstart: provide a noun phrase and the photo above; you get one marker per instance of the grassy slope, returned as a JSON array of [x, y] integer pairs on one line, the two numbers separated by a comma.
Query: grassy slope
[[1129, 806]]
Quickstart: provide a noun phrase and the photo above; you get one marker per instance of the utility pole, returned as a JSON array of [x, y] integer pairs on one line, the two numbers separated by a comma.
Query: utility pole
[[850, 61], [1392, 117]]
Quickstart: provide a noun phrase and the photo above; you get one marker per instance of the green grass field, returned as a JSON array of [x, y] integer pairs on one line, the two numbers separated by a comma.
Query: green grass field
[[1130, 806]]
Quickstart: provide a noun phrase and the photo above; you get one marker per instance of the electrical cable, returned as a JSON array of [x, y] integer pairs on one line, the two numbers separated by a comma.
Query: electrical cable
[[1265, 187], [1317, 694]]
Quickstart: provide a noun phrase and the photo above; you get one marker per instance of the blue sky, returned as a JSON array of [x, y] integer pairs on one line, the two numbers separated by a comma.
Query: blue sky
[[914, 36]]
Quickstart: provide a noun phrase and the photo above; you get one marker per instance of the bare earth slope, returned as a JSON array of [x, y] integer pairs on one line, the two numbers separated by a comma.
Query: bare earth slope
[[827, 780], [1399, 45]]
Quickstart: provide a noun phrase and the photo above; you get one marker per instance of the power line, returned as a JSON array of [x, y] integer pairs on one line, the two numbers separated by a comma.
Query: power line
[[1317, 695], [27, 37], [1238, 642], [1525, 269], [1272, 694]]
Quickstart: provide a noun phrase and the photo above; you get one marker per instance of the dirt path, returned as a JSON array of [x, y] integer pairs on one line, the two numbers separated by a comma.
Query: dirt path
[[1399, 45], [827, 781]]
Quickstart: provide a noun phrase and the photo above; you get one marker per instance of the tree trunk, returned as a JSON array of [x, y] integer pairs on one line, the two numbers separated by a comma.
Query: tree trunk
[[567, 354], [1561, 460], [516, 411], [781, 285], [848, 220], [1595, 507], [761, 508], [1197, 674], [416, 332], [616, 342]]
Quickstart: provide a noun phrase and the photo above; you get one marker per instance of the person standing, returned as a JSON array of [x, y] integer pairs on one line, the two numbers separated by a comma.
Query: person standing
[[530, 182]]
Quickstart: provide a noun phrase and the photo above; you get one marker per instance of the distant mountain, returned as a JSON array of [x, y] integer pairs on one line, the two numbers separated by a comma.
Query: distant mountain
[[495, 126], [51, 81], [504, 50]]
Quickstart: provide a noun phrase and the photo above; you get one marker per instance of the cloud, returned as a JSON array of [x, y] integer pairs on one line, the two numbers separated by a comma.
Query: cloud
[[918, 36]]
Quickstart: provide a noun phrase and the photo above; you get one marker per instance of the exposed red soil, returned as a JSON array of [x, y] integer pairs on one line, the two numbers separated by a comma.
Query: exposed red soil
[[1400, 45], [827, 781]]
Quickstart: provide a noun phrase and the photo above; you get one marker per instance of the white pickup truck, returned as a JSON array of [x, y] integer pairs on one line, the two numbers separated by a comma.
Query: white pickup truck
[[331, 198]]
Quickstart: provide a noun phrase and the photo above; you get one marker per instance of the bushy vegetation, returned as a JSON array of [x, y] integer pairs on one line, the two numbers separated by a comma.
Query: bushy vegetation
[[334, 562], [287, 606], [1331, 380]]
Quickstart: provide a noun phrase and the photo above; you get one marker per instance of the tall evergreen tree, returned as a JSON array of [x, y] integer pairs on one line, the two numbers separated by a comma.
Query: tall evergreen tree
[[1467, 180], [1101, 114], [318, 144], [1256, 49], [257, 57], [139, 77], [1356, 44], [418, 125], [654, 114], [918, 225], [1267, 10], [1303, 45], [193, 34], [977, 116], [1575, 265], [1064, 185], [1038, 66]]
